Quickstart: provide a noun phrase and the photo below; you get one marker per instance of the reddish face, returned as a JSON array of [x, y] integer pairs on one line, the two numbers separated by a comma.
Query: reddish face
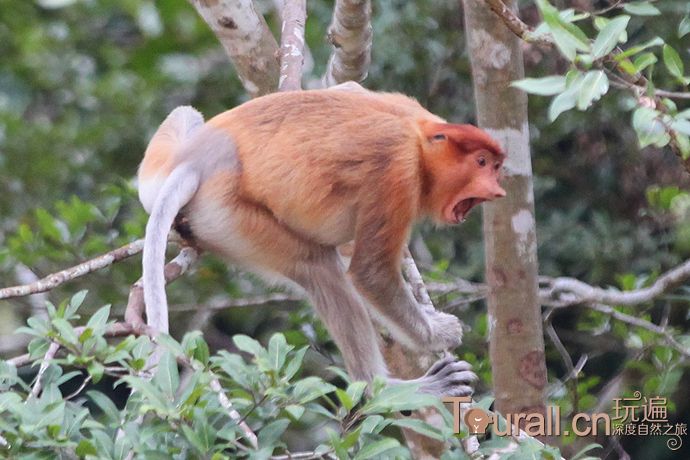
[[463, 166]]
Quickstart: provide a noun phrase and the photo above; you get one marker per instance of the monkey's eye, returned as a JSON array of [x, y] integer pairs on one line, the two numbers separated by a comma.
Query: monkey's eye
[[481, 161], [439, 137]]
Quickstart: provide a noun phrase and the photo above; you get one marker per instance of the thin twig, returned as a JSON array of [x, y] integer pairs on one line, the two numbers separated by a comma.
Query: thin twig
[[79, 390], [53, 348], [515, 24], [226, 304], [625, 318], [134, 310], [301, 456], [56, 279], [227, 405]]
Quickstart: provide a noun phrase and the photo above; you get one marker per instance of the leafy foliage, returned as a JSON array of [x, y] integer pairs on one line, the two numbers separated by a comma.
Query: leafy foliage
[[176, 412], [587, 80]]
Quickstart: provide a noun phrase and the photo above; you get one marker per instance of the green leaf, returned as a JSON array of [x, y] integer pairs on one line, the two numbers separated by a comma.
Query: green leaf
[[99, 319], [356, 390], [376, 448], [311, 388], [295, 411], [374, 424], [337, 443], [295, 363], [568, 37], [594, 85], [48, 225], [684, 114], [609, 36], [85, 448], [673, 62], [74, 303], [403, 396], [235, 367], [96, 371], [65, 330], [249, 345], [277, 351], [641, 9], [146, 389], [170, 344], [420, 427], [106, 405], [682, 126], [656, 41], [546, 86], [271, 433], [85, 335], [194, 439], [167, 376], [650, 130], [580, 455], [344, 399], [644, 60], [567, 99], [684, 26], [683, 143]]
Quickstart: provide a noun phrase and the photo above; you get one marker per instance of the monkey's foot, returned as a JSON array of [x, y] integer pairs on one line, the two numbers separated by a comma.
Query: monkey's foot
[[446, 331], [448, 377]]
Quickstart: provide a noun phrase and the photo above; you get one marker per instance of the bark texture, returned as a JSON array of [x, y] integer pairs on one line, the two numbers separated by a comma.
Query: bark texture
[[515, 323], [247, 40], [350, 34], [294, 15]]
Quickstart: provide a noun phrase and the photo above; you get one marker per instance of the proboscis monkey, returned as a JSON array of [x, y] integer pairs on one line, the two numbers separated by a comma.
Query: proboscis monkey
[[278, 182]]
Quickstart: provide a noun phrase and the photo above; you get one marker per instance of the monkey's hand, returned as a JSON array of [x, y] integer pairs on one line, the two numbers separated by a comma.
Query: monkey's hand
[[448, 377], [446, 331]]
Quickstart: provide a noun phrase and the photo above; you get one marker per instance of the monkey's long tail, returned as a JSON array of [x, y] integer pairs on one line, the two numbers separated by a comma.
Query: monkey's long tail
[[177, 190]]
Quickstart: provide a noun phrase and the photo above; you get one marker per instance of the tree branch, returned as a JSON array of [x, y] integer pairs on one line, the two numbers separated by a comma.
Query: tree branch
[[56, 279], [247, 40], [515, 24], [350, 33], [134, 311], [294, 15], [572, 291], [634, 321]]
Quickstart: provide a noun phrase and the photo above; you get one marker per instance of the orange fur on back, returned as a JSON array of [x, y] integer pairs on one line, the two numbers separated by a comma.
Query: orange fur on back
[[316, 169]]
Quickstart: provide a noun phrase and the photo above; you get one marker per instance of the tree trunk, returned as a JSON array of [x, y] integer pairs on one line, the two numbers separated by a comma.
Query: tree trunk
[[515, 325]]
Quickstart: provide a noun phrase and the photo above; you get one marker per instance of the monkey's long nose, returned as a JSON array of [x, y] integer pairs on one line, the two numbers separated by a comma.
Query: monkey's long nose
[[499, 192]]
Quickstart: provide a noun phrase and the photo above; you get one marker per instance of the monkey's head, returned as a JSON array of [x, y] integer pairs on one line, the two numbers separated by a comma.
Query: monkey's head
[[462, 166]]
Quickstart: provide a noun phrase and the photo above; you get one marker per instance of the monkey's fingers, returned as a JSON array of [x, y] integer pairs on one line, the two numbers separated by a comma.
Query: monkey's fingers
[[440, 364]]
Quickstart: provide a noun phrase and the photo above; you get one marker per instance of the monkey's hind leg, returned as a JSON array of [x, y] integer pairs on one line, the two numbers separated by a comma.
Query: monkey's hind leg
[[344, 314], [347, 319]]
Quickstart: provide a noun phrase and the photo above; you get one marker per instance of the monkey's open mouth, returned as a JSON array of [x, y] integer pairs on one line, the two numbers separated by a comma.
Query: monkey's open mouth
[[462, 208]]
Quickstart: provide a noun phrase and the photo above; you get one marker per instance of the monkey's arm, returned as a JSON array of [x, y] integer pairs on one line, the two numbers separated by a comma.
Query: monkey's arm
[[375, 269]]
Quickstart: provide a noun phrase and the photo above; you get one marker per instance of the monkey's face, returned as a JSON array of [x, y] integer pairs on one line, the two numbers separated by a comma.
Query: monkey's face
[[479, 175], [463, 168]]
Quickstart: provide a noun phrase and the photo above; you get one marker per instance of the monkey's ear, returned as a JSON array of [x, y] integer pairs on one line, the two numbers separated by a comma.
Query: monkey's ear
[[467, 138], [434, 132]]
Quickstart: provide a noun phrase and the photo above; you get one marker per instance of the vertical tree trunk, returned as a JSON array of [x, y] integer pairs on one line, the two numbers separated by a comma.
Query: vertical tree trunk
[[516, 341]]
